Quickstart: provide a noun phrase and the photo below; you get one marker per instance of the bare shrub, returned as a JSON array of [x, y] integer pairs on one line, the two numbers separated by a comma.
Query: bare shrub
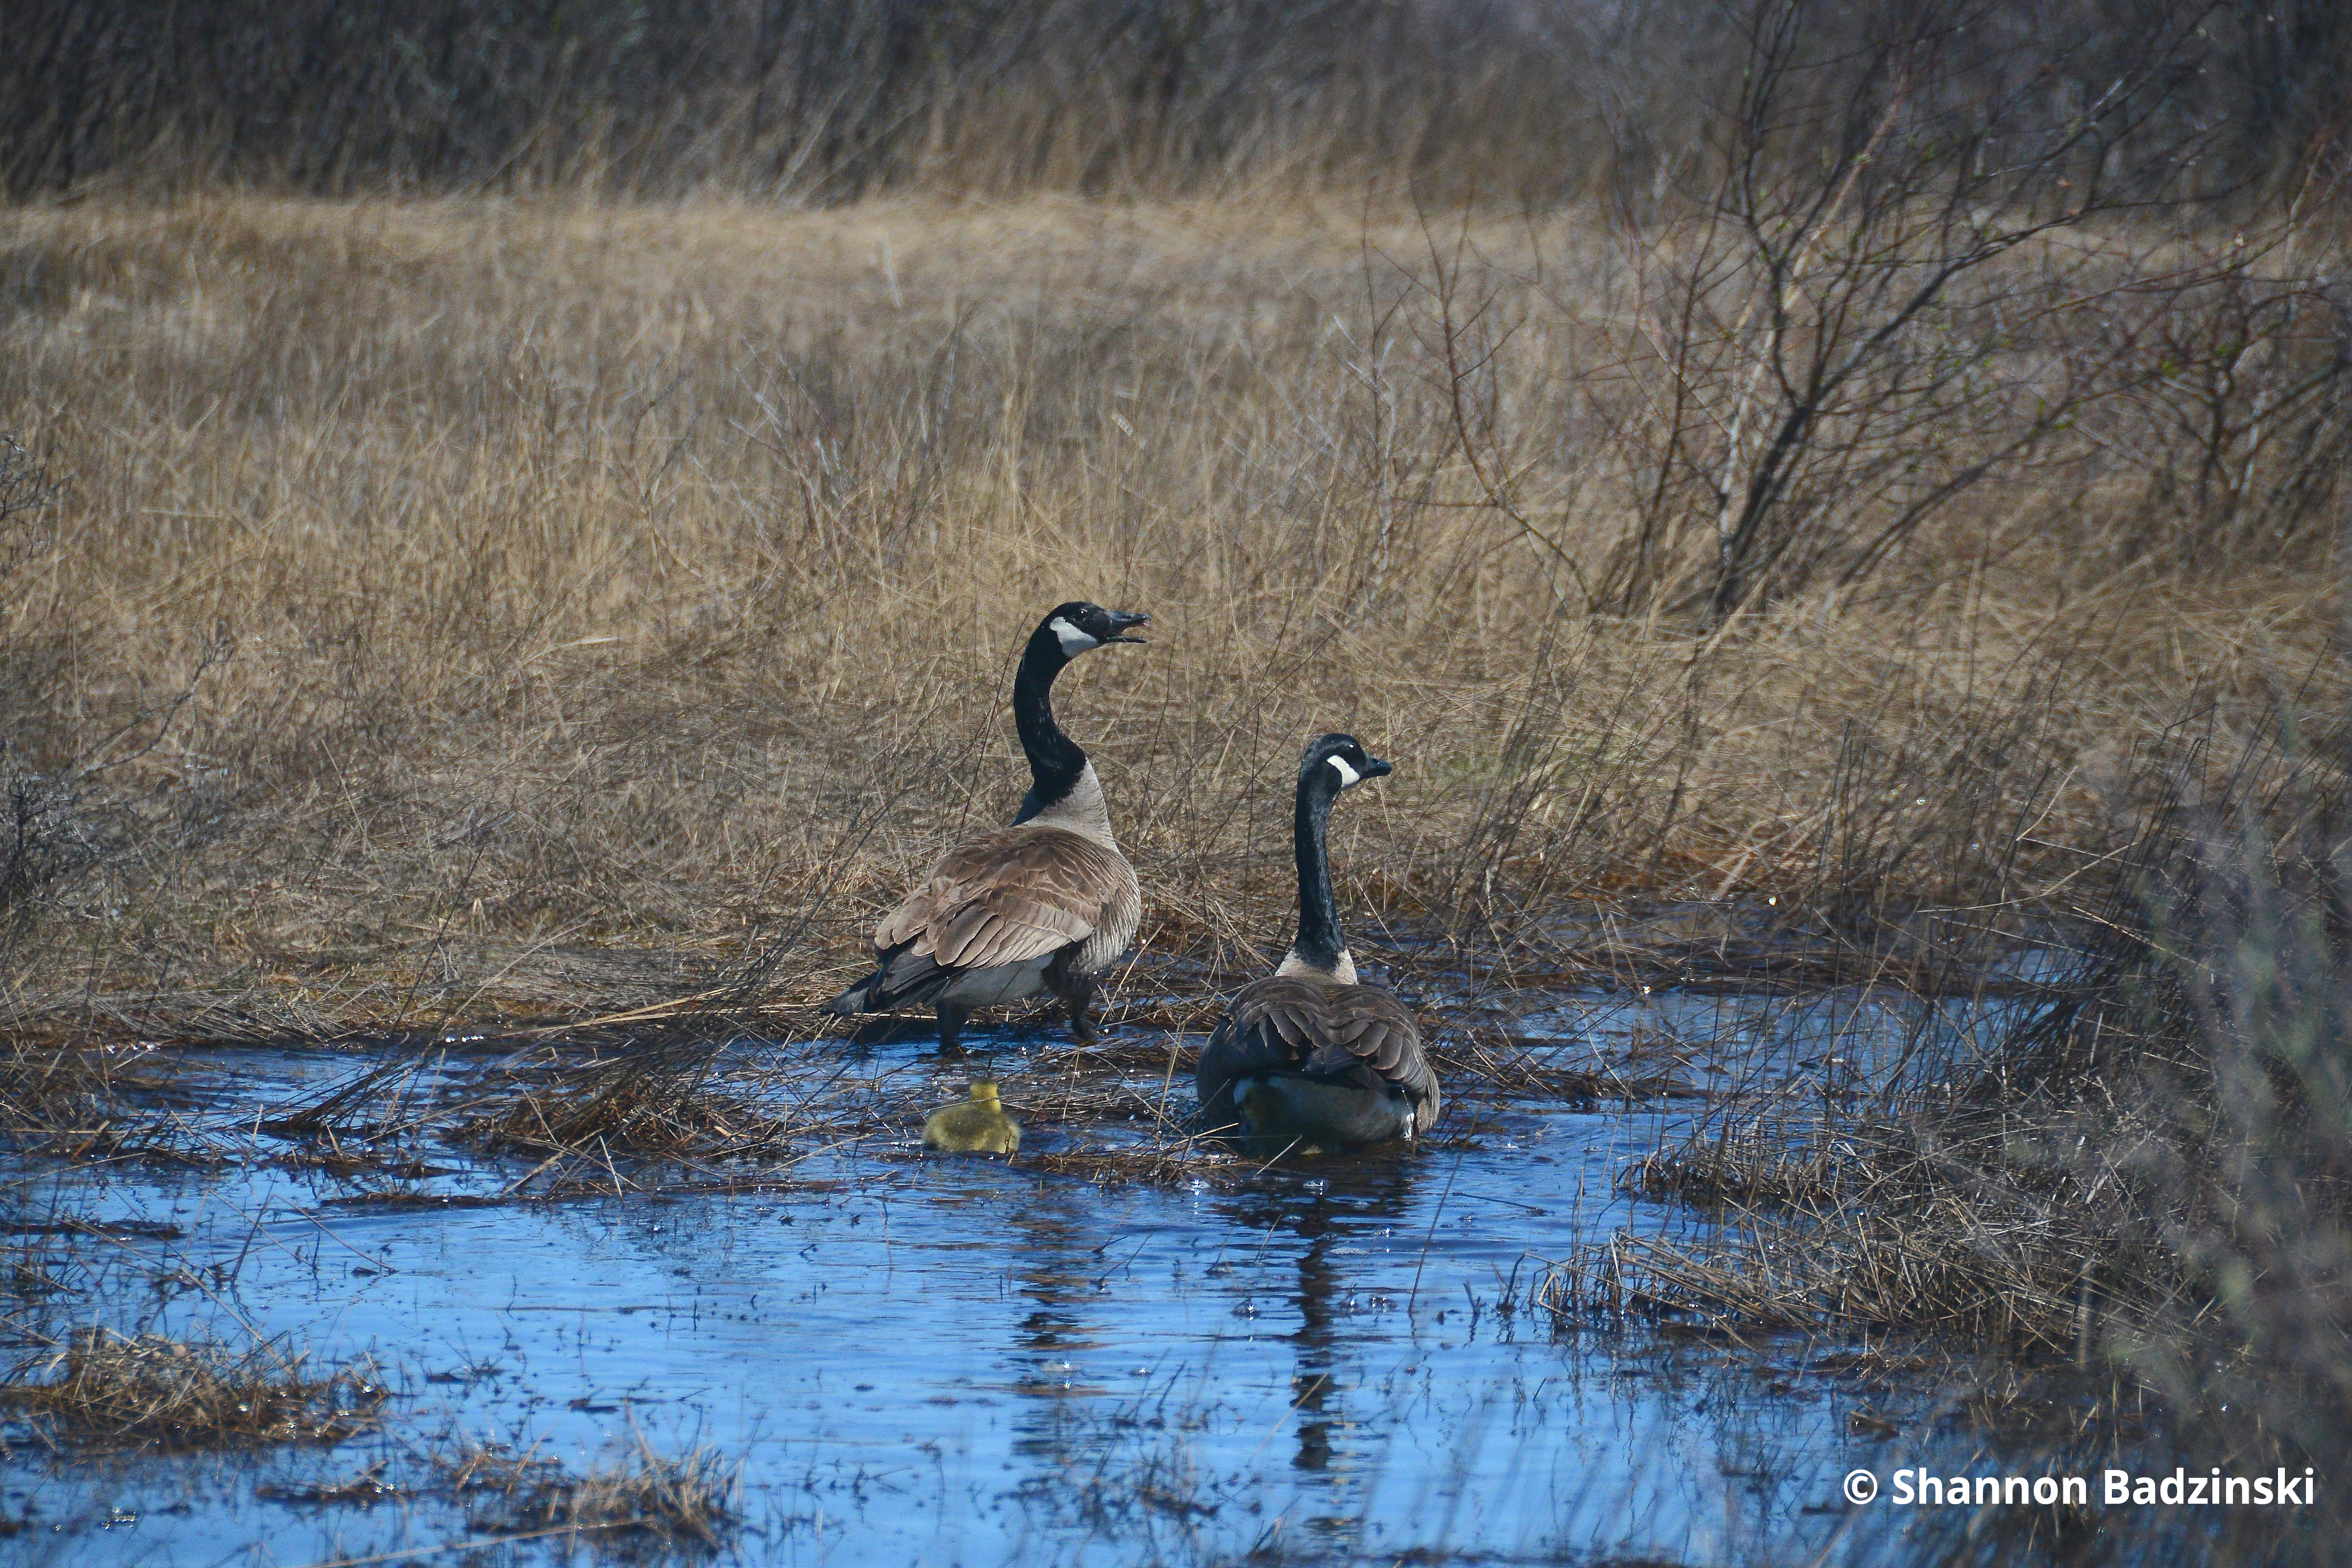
[[836, 99], [828, 101], [1912, 312], [2238, 423]]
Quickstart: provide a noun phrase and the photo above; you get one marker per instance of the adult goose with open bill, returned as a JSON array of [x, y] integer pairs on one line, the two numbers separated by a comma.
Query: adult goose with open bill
[[1039, 908]]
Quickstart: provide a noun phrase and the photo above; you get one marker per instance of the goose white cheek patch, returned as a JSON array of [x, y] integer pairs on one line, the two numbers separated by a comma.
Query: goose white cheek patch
[[1074, 641], [1348, 775]]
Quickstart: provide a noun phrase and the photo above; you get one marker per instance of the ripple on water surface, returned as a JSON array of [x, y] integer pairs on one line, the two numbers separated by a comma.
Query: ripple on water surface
[[955, 1360]]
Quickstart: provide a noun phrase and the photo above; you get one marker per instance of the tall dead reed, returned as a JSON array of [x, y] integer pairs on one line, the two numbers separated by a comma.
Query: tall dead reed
[[833, 100]]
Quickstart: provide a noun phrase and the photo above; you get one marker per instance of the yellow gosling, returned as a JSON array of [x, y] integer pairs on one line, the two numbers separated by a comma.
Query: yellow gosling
[[974, 1126]]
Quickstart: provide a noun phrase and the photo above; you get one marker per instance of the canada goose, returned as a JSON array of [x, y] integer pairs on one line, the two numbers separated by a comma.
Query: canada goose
[[974, 1126], [1041, 907], [1307, 1054]]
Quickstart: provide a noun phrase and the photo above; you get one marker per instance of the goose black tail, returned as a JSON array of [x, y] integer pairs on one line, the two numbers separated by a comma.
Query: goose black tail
[[904, 980], [859, 998]]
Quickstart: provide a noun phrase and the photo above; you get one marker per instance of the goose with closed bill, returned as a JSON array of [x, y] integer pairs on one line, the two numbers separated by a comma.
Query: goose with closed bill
[[1309, 1055]]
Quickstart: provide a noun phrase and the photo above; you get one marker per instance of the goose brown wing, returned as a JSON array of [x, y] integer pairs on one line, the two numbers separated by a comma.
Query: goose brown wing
[[1006, 897], [1348, 1034]]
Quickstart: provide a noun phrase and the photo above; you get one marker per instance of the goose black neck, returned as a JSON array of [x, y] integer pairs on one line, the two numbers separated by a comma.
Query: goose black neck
[[1054, 759], [1319, 942]]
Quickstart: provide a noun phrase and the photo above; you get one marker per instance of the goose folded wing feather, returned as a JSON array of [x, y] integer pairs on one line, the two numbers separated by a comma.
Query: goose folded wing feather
[[1006, 898], [1000, 926], [1378, 1038], [1330, 1032], [1280, 1011]]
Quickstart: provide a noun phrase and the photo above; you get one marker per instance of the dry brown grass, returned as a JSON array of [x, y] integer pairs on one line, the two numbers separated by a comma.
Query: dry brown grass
[[1855, 1233], [643, 1500], [102, 1391], [581, 607]]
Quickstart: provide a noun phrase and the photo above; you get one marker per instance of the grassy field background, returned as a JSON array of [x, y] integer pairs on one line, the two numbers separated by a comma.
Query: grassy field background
[[455, 609]]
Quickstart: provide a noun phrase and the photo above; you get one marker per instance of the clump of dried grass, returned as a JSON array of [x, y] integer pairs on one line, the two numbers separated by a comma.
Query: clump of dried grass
[[1744, 1164], [650, 1118], [105, 1391], [644, 1499], [47, 1088], [658, 1101], [1944, 1269], [84, 1098]]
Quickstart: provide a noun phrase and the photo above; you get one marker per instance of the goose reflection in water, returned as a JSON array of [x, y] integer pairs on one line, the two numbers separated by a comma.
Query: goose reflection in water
[[1321, 1227], [1338, 1216]]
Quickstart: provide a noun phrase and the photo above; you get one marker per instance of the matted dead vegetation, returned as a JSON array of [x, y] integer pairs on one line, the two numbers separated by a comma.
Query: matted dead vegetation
[[105, 1392], [643, 1500], [653, 1101]]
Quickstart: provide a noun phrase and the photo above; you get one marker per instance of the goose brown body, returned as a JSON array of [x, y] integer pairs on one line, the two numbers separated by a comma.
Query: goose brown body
[[1018, 895], [1343, 1060], [1039, 908], [1308, 1053]]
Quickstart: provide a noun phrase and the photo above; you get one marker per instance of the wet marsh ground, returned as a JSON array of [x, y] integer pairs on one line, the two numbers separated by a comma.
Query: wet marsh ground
[[1126, 1343]]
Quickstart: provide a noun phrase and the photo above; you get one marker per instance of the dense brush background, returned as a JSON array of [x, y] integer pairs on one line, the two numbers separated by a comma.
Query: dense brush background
[[1538, 102], [528, 510]]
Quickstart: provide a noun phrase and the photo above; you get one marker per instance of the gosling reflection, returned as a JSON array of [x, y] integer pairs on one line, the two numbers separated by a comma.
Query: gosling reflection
[[1050, 1254]]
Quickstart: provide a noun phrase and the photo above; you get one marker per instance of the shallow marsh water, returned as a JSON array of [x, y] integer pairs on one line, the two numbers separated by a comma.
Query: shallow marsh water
[[962, 1360]]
